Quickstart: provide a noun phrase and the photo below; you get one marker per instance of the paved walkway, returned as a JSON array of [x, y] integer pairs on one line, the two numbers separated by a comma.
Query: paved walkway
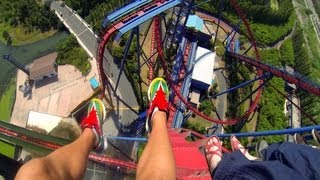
[[57, 98]]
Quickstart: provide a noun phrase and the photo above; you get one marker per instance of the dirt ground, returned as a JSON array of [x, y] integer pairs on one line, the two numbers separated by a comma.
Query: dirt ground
[[57, 98]]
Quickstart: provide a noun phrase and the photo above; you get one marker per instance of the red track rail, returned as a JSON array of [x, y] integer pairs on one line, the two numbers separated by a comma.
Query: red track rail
[[152, 50], [277, 72], [102, 159]]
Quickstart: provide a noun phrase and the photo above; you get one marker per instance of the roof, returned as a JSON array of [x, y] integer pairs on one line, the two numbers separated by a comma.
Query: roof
[[94, 83], [43, 121], [42, 66], [195, 96], [196, 22], [203, 69]]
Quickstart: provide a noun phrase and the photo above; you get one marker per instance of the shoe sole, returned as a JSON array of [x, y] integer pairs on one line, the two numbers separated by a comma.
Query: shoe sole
[[149, 94], [152, 83], [313, 132], [100, 103]]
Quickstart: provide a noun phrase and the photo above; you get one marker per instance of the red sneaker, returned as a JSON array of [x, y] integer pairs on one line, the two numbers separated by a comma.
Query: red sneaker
[[96, 115], [158, 94]]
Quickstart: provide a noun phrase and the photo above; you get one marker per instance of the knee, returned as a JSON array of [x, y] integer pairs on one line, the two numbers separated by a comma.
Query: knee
[[33, 168]]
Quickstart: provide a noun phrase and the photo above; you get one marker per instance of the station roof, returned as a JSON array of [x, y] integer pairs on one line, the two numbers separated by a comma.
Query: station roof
[[203, 68], [196, 22], [43, 121], [42, 66]]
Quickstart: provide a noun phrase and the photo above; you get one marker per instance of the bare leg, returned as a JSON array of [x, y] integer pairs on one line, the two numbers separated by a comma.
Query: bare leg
[[68, 162], [157, 160]]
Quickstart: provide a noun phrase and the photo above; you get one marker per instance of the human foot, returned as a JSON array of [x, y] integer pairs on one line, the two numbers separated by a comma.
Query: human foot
[[236, 145], [213, 152]]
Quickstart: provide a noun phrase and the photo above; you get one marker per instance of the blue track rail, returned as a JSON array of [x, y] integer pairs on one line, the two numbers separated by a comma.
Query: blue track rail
[[149, 13], [273, 132], [250, 134], [124, 11]]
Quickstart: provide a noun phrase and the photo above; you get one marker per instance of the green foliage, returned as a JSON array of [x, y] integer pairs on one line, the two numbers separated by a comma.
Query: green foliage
[[94, 11], [220, 50], [267, 25], [258, 11], [130, 69], [268, 34], [141, 148], [7, 101], [309, 103], [28, 13], [7, 149], [301, 58], [308, 11], [316, 4], [5, 35], [287, 53], [69, 52], [206, 107], [271, 56], [271, 116], [195, 126]]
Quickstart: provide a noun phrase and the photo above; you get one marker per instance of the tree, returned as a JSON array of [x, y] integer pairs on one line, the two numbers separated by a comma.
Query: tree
[[9, 41], [5, 34], [206, 107]]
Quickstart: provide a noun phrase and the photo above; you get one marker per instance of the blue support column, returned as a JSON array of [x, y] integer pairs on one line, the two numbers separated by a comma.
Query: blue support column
[[235, 29], [245, 53], [124, 59], [250, 95], [234, 34], [219, 19], [243, 84], [137, 31]]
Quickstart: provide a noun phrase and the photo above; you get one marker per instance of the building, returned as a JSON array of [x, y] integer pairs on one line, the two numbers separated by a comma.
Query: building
[[42, 121], [43, 68], [202, 75], [196, 24]]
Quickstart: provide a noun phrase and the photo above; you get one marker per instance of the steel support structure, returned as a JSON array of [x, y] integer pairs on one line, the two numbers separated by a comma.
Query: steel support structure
[[221, 4], [243, 84], [126, 50]]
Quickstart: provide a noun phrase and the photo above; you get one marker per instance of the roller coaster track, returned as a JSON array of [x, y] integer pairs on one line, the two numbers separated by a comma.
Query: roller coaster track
[[152, 49], [291, 78], [21, 136]]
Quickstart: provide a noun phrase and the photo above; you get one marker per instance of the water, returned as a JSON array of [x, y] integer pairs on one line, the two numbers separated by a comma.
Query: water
[[25, 54]]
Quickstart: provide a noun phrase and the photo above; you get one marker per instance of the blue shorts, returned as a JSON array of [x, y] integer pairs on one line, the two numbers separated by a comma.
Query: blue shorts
[[281, 161]]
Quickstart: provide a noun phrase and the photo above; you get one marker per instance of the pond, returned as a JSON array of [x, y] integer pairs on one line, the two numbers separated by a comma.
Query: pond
[[25, 54]]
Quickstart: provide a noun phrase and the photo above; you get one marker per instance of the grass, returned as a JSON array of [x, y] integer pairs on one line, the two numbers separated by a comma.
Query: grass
[[202, 123], [7, 101], [141, 148], [20, 35], [7, 149], [274, 5]]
